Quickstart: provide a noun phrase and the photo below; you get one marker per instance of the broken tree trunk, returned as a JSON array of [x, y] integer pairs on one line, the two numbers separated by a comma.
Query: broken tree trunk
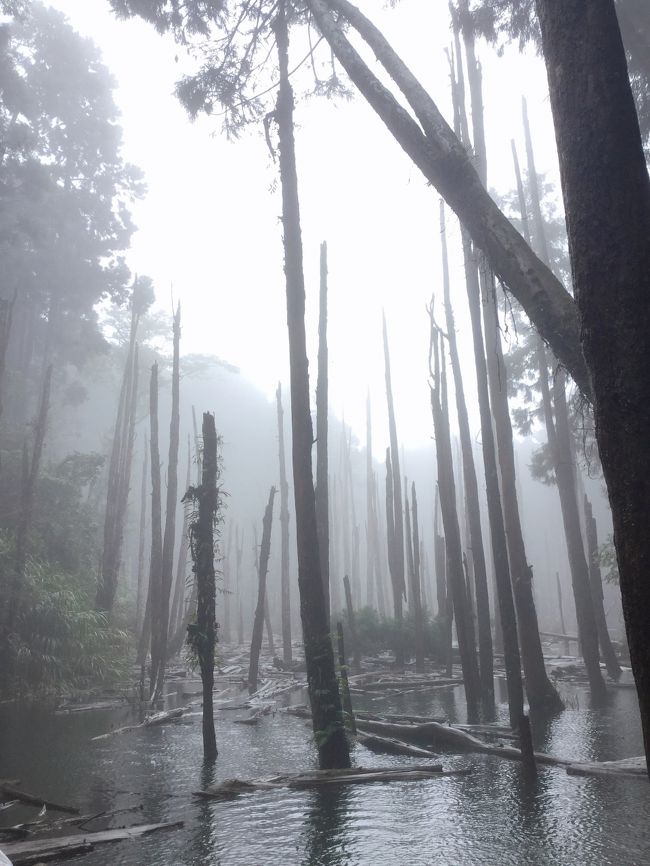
[[258, 623]]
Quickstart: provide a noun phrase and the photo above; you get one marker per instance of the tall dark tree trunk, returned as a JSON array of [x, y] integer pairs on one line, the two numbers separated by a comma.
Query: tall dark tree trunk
[[258, 622], [596, 580], [322, 424], [324, 695], [155, 562], [397, 570], [447, 487], [161, 617], [203, 633], [352, 626], [559, 440], [285, 586], [471, 488]]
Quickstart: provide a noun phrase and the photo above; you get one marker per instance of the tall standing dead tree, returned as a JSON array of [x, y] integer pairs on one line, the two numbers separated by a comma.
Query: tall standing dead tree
[[323, 689], [155, 561], [322, 433], [285, 586]]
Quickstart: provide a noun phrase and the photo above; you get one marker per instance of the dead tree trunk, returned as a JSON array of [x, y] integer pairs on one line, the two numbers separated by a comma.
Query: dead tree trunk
[[155, 562], [322, 422], [352, 625], [345, 685], [227, 592], [141, 591], [416, 595], [378, 546], [559, 440], [6, 316], [397, 572], [596, 580], [161, 616], [471, 489], [371, 553], [119, 474], [258, 622], [285, 586], [202, 635], [319, 655], [447, 487], [176, 616], [239, 550]]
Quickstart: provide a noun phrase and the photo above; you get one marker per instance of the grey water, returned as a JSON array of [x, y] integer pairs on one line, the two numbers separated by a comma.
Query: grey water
[[495, 814]]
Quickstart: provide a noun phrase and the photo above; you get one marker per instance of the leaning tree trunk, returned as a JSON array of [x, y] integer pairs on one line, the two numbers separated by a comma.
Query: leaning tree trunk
[[322, 422], [160, 619], [323, 690], [258, 622], [471, 489], [285, 586], [447, 487], [202, 635], [436, 151]]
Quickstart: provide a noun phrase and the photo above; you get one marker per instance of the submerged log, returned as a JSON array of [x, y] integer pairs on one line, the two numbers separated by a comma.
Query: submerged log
[[149, 722], [631, 768], [320, 778], [61, 846], [8, 790], [391, 746]]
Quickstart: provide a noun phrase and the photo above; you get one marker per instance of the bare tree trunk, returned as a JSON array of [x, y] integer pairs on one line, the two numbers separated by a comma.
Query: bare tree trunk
[[322, 422], [416, 596], [203, 633], [6, 316], [239, 550], [119, 474], [227, 592], [380, 573], [176, 617], [269, 627], [397, 570], [161, 617], [258, 623], [352, 625], [285, 586], [345, 685], [141, 592], [559, 440], [371, 553], [324, 696], [155, 562], [596, 580], [471, 489], [447, 487]]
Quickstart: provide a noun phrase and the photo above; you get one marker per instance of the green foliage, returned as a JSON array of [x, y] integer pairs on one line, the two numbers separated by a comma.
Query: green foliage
[[376, 634], [59, 641]]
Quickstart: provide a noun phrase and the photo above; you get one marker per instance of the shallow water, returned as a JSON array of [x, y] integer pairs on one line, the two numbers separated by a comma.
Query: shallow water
[[494, 815]]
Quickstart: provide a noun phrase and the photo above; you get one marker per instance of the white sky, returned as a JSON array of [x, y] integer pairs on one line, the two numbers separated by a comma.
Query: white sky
[[209, 225]]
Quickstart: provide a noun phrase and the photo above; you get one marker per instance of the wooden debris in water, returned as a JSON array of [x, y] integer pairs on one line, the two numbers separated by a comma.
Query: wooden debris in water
[[150, 722], [630, 768], [39, 850], [321, 778], [8, 790]]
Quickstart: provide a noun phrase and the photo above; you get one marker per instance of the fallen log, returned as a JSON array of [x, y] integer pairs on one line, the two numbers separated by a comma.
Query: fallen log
[[321, 778], [20, 852], [390, 746], [53, 854], [631, 768], [150, 721], [13, 793]]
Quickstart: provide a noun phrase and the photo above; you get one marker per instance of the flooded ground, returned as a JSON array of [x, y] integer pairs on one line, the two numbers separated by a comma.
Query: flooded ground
[[493, 815]]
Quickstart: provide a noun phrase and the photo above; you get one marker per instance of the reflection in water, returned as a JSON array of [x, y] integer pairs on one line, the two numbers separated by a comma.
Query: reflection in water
[[327, 825]]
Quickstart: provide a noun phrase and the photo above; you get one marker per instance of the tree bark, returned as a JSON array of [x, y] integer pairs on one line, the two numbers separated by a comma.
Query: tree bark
[[140, 591], [258, 623], [416, 594], [155, 561], [322, 435], [352, 625], [323, 690], [285, 586]]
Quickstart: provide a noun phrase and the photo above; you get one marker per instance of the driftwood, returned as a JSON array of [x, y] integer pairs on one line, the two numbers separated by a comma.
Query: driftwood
[[390, 746], [8, 790], [149, 722], [73, 850], [631, 768], [322, 778], [36, 850]]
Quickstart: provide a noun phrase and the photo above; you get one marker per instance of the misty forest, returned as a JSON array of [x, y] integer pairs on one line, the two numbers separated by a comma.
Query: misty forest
[[324, 418]]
